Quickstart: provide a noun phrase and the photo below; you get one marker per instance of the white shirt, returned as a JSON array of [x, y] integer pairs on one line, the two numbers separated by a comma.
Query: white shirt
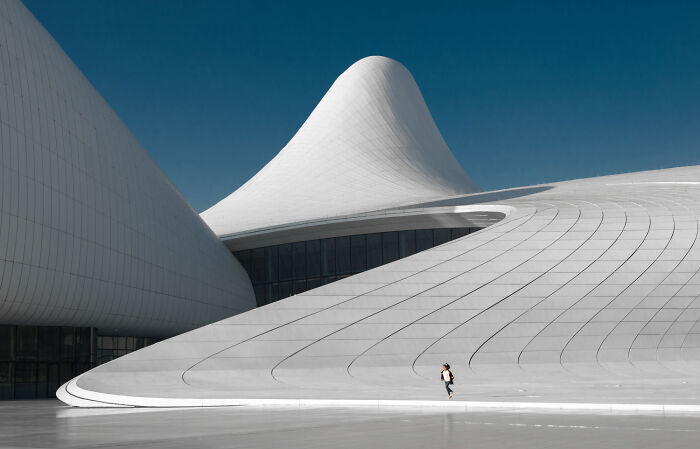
[[446, 375]]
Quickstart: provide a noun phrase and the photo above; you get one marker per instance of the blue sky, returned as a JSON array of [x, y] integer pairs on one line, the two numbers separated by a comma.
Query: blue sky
[[523, 92]]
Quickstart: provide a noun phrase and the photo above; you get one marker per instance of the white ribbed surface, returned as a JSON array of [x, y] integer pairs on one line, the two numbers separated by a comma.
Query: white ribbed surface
[[92, 233], [370, 144], [588, 293]]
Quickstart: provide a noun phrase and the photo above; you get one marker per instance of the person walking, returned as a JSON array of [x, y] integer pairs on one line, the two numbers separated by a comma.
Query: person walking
[[447, 377]]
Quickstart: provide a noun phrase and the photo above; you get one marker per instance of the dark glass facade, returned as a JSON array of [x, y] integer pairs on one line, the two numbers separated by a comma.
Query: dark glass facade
[[36, 360], [279, 271], [110, 348]]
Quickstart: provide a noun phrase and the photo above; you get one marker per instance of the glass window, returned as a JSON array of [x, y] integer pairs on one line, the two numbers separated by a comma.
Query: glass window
[[318, 262], [374, 250], [45, 354], [67, 343], [390, 246], [83, 345], [459, 232], [285, 262], [424, 239], [271, 271], [25, 380], [42, 375], [313, 258], [257, 273], [49, 343], [299, 286], [358, 253], [272, 292], [285, 289], [106, 342], [7, 342], [81, 368], [313, 283], [342, 254], [259, 291], [26, 343], [299, 260], [327, 257], [52, 377], [441, 236], [6, 380], [244, 258], [407, 243]]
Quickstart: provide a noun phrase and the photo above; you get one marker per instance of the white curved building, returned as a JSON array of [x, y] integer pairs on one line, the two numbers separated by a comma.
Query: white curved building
[[581, 292], [370, 144], [93, 235], [572, 292], [587, 291]]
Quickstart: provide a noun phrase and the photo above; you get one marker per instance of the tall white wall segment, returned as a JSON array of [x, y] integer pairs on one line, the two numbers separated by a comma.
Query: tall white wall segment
[[588, 292], [92, 233], [370, 144]]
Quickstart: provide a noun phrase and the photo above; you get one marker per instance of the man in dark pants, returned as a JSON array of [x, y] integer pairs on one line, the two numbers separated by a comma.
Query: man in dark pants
[[447, 377]]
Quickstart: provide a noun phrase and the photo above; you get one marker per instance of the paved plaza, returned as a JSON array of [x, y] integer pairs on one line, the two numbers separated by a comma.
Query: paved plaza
[[49, 424]]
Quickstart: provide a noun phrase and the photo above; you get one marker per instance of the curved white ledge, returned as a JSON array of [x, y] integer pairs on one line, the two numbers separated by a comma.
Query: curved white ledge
[[72, 395], [479, 216]]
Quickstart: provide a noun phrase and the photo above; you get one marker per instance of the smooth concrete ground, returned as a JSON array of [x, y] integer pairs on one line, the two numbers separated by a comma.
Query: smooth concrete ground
[[48, 424]]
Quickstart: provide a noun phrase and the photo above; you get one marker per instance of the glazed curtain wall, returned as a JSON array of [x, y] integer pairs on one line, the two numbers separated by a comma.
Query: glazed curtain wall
[[279, 271], [36, 360]]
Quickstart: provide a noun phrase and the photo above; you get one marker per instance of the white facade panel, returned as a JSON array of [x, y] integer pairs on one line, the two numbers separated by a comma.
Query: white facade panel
[[92, 233]]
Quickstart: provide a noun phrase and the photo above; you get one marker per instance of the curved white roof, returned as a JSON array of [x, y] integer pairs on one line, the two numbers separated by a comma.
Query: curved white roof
[[370, 144]]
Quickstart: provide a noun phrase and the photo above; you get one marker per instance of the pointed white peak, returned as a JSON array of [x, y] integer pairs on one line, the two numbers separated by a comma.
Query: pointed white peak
[[370, 144]]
